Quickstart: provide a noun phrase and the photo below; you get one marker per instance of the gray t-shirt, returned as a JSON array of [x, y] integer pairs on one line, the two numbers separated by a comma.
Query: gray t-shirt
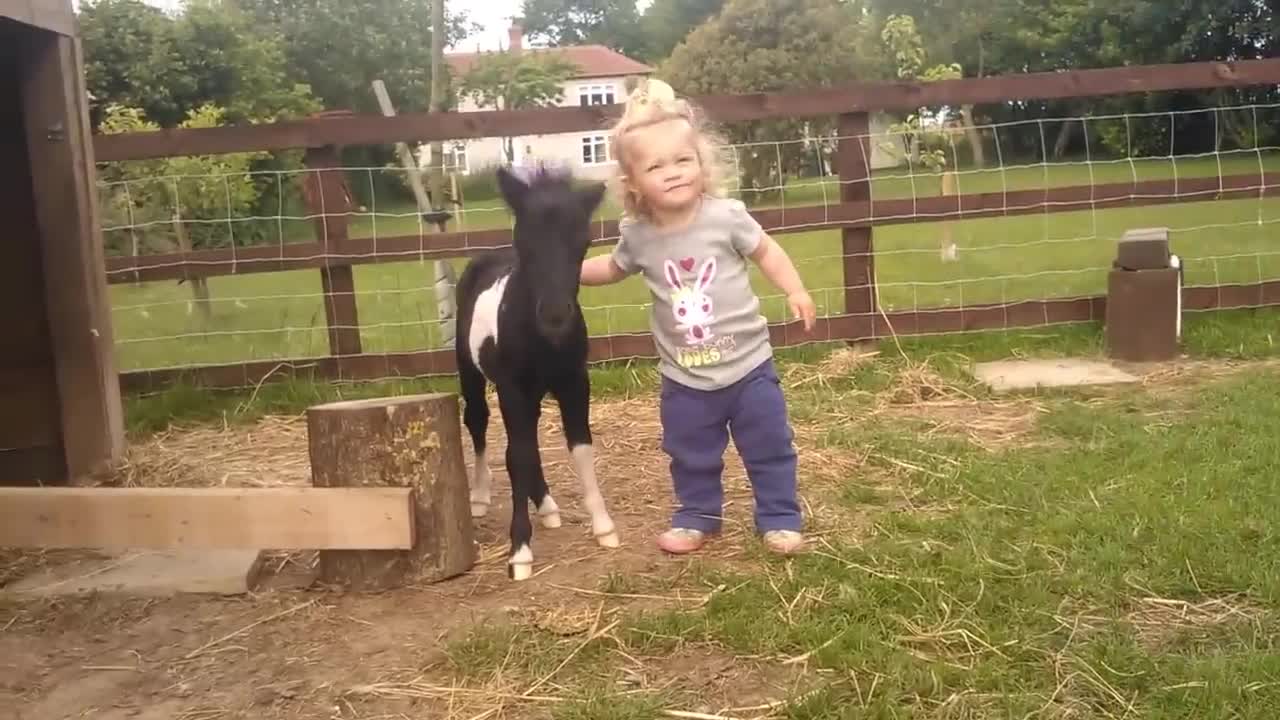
[[705, 318]]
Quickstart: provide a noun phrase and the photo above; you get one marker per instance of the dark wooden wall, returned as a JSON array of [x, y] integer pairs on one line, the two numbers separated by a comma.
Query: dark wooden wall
[[30, 426]]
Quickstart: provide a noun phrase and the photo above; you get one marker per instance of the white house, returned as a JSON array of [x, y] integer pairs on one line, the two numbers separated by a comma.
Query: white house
[[600, 80]]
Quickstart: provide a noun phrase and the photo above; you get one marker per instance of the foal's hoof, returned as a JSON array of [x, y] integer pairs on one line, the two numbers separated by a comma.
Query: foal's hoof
[[609, 539], [550, 520], [520, 571], [479, 510]]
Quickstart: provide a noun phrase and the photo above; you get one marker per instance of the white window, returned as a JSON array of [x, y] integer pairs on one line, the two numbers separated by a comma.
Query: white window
[[595, 150], [595, 95], [455, 158]]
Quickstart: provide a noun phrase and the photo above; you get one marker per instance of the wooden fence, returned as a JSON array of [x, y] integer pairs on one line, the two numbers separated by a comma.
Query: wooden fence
[[856, 214]]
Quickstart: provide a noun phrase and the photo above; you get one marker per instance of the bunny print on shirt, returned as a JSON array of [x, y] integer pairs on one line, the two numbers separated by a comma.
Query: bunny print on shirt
[[692, 307]]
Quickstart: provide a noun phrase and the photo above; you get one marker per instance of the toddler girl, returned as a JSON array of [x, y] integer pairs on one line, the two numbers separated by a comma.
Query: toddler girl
[[718, 378]]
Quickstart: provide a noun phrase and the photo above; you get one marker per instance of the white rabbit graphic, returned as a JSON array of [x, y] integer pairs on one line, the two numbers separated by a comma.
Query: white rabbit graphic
[[692, 306]]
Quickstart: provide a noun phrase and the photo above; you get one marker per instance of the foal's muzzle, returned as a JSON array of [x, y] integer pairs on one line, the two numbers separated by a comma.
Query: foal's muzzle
[[554, 318]]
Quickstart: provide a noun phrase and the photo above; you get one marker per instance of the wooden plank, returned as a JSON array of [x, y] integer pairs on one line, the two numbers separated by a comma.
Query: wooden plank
[[53, 15], [296, 518], [75, 289], [372, 129], [363, 251], [329, 201], [853, 165]]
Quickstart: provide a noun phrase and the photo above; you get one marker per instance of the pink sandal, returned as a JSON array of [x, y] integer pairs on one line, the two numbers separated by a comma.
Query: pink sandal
[[679, 541]]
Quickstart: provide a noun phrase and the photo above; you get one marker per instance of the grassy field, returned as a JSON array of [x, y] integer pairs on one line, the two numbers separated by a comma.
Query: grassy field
[[280, 315], [1071, 554]]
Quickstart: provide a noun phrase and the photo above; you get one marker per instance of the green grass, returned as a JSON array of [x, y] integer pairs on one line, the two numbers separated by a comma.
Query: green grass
[[1234, 334], [281, 315], [1116, 564]]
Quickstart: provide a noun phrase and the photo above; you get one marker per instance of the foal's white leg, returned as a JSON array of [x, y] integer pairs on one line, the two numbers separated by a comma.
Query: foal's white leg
[[521, 563], [584, 462], [549, 512], [481, 489]]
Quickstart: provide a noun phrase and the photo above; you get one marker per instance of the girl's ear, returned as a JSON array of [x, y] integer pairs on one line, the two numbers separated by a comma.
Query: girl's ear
[[706, 274], [673, 275]]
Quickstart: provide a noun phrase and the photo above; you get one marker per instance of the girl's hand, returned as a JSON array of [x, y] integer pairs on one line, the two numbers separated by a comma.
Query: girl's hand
[[802, 308]]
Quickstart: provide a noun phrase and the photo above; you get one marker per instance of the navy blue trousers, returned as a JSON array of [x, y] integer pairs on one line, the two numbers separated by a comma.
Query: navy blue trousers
[[696, 427]]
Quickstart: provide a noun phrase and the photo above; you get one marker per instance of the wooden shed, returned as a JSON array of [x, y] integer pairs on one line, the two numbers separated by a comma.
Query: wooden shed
[[60, 411]]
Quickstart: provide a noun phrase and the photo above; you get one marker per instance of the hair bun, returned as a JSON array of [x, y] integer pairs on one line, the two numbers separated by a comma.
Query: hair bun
[[651, 90]]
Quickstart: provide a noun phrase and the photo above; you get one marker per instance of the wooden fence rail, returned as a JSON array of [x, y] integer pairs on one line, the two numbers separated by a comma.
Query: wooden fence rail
[[856, 214]]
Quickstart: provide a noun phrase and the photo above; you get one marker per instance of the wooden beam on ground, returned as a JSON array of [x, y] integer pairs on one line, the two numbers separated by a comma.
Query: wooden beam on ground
[[207, 518], [849, 98]]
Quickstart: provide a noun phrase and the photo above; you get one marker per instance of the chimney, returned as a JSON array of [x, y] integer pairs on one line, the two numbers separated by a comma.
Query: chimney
[[515, 35]]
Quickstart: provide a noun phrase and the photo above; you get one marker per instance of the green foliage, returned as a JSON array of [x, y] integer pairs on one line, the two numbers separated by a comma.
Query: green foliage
[[175, 203], [666, 23], [340, 47], [514, 81], [774, 45], [167, 65], [929, 142], [612, 23]]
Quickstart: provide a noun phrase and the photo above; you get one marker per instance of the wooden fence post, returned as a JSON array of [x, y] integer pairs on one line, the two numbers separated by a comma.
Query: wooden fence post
[[853, 164], [328, 201]]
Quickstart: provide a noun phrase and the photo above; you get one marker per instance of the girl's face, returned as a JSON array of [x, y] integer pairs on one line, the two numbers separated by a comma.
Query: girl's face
[[662, 165]]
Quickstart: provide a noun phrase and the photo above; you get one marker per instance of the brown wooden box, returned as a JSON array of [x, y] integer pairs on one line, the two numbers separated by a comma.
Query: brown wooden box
[[1142, 315], [61, 417]]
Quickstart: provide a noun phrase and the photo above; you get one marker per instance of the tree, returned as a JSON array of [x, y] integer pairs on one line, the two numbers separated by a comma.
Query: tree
[[770, 46], [234, 65], [166, 66], [666, 23], [177, 204], [340, 47], [612, 23], [132, 58], [904, 45], [515, 81]]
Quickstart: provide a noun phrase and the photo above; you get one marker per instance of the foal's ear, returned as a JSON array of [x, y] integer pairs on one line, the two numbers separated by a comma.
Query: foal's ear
[[512, 187], [591, 197]]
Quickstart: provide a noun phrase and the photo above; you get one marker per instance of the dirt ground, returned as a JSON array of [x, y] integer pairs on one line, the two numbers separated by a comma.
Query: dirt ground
[[294, 650]]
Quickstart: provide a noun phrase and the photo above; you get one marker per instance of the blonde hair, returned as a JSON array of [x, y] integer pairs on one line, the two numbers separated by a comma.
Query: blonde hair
[[652, 102]]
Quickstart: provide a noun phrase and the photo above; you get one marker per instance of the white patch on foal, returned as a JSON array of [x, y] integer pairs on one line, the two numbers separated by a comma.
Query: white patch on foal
[[484, 318], [584, 462], [480, 489], [521, 563], [549, 512]]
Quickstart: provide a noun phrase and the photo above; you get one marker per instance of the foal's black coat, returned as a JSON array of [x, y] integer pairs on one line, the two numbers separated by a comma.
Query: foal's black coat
[[540, 347]]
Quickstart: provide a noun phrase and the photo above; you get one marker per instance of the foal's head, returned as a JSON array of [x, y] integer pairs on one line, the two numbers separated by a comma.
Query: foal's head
[[551, 237]]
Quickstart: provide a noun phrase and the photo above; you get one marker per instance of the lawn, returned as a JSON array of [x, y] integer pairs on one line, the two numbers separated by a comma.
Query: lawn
[[281, 315], [1070, 554]]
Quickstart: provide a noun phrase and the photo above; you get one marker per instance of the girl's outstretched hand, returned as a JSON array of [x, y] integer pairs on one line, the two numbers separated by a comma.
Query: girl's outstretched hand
[[802, 308]]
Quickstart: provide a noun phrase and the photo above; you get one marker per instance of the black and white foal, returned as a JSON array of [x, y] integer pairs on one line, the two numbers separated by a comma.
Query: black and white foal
[[520, 327]]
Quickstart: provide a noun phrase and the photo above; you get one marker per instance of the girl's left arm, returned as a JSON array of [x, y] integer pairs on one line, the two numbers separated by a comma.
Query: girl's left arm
[[777, 267]]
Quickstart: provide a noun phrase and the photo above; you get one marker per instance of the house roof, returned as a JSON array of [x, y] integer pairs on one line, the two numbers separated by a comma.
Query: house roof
[[593, 61]]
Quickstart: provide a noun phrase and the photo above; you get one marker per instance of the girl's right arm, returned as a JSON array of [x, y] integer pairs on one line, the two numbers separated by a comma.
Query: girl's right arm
[[601, 270]]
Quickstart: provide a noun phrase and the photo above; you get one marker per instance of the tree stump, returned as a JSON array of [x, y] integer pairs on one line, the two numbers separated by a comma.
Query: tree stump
[[413, 441]]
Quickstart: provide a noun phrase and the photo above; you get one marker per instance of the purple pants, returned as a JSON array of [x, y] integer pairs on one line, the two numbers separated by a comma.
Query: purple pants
[[696, 426]]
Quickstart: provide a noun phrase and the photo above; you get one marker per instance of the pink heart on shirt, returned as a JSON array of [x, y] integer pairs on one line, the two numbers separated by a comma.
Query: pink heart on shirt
[[687, 264]]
